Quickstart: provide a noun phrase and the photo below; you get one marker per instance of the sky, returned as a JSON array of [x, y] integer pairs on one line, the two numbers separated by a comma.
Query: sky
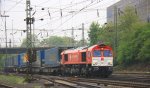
[[59, 16]]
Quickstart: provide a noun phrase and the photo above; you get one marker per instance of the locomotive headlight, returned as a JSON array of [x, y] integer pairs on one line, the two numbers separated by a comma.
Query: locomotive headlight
[[94, 62], [110, 62]]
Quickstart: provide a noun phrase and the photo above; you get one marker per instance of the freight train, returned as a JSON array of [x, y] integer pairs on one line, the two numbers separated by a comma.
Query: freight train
[[96, 60]]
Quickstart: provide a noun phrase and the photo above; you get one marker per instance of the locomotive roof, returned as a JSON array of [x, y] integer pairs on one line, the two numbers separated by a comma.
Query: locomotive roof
[[84, 48], [75, 49], [99, 46]]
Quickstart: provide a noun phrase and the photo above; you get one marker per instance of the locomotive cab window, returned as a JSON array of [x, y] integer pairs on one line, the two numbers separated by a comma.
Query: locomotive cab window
[[83, 56], [107, 53], [66, 57], [97, 53]]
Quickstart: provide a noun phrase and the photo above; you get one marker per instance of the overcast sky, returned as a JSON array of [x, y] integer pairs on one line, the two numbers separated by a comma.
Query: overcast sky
[[58, 16]]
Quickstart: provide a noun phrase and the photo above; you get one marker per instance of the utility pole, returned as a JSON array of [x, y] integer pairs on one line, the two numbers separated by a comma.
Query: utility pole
[[72, 36], [12, 35], [83, 42], [116, 30], [9, 43], [5, 16], [29, 46]]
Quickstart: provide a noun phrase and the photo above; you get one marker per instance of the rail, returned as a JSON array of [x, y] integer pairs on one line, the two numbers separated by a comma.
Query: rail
[[5, 86]]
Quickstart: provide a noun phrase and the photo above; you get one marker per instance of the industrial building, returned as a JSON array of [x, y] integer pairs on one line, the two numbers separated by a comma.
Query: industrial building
[[142, 9]]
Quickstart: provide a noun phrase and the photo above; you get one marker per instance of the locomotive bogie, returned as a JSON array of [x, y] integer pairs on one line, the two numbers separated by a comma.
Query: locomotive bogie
[[86, 70]]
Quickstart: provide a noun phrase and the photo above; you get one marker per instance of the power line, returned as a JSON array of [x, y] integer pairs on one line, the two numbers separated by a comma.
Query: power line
[[70, 5], [66, 7], [43, 2], [73, 15], [69, 14], [14, 5], [76, 14], [87, 22]]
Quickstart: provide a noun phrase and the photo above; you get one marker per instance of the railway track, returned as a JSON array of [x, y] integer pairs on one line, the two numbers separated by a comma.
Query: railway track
[[5, 86], [121, 80], [137, 77], [93, 83], [115, 83], [139, 74], [65, 82]]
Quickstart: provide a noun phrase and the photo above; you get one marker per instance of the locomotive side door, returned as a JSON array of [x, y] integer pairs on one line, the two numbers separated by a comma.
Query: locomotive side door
[[83, 56]]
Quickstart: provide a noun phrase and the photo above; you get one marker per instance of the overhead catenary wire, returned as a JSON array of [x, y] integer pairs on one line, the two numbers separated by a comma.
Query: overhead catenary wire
[[87, 22], [19, 2], [76, 14], [80, 10], [61, 30], [70, 5], [84, 1], [52, 19], [14, 6], [79, 2], [71, 17]]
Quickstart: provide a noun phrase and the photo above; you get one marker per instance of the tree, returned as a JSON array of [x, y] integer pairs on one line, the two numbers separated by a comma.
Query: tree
[[133, 39], [127, 18], [58, 41], [141, 43], [80, 43], [93, 33], [125, 35], [35, 41], [106, 34]]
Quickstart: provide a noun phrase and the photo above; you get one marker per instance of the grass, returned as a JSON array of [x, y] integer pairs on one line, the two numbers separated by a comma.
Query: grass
[[37, 86], [10, 79]]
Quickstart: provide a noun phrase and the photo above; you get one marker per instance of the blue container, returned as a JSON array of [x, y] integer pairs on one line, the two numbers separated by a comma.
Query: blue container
[[6, 62], [51, 57], [37, 63], [19, 60], [42, 57], [42, 54], [22, 61], [9, 61], [14, 61]]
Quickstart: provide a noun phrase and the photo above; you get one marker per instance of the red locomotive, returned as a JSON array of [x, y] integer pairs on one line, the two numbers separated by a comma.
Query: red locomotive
[[95, 60]]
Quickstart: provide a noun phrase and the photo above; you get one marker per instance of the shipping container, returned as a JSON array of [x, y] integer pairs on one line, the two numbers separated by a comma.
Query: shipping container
[[15, 61], [52, 57], [23, 62], [37, 63]]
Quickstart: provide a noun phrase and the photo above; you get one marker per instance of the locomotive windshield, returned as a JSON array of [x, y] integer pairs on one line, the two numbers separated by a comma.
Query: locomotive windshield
[[107, 53], [97, 53]]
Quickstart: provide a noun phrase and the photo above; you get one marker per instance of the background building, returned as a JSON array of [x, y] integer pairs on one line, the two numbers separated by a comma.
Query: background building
[[142, 9]]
